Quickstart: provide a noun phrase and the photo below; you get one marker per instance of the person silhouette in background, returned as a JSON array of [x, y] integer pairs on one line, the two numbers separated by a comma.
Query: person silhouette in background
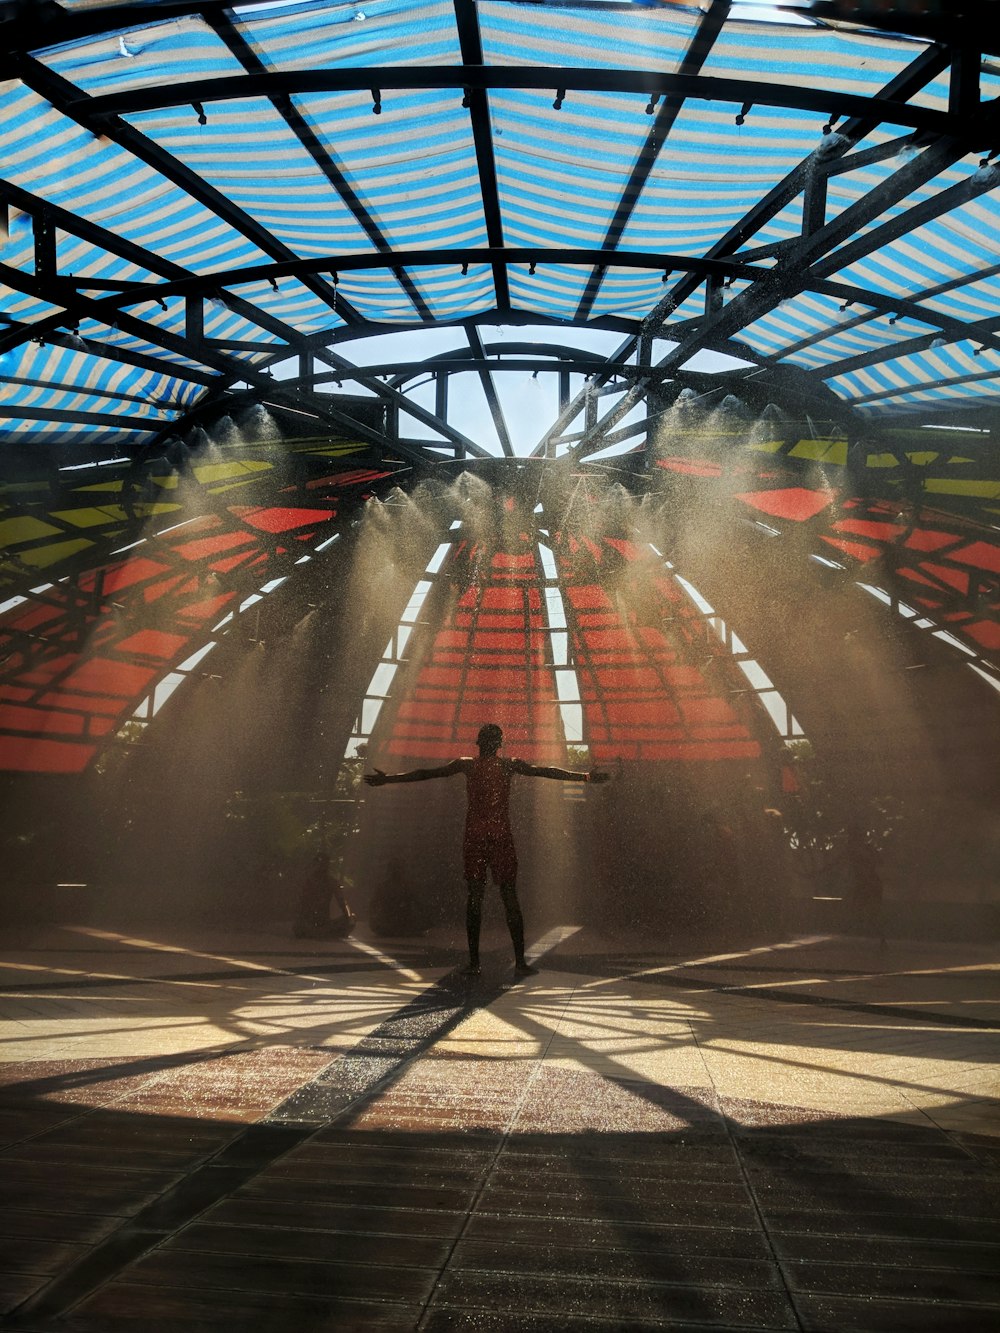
[[312, 918], [866, 891], [489, 842]]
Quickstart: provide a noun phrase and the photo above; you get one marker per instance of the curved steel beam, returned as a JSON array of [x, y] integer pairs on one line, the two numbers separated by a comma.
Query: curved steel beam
[[206, 283], [961, 22], [975, 129], [68, 100], [927, 65]]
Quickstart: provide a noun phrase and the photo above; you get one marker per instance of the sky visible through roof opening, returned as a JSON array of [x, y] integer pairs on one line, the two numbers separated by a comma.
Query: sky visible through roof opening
[[530, 404]]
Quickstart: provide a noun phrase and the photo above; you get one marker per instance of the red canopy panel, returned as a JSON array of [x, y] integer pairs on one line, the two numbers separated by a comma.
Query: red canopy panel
[[275, 519], [40, 721], [794, 502], [485, 663], [30, 754], [641, 701]]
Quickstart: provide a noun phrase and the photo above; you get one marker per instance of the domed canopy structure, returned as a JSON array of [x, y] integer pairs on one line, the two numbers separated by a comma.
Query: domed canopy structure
[[197, 195], [626, 374]]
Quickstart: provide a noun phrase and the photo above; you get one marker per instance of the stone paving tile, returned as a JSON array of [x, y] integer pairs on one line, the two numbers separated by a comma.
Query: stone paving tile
[[384, 1151], [901, 1225], [115, 1133], [514, 1170], [980, 1204], [659, 1265], [566, 1187], [618, 1207], [127, 1307], [18, 1123], [484, 1321], [53, 1151], [279, 1275], [629, 1236], [406, 1250], [334, 1175], [16, 1287], [519, 1173], [952, 1256], [26, 1254], [619, 1299], [54, 1225], [117, 1198], [322, 1215], [81, 1083], [908, 1282], [378, 1194], [835, 1314]]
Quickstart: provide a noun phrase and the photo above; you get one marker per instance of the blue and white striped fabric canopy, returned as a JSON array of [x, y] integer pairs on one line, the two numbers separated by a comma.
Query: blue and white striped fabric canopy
[[193, 193]]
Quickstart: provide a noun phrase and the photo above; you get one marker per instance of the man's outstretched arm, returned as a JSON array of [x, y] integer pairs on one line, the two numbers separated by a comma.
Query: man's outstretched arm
[[561, 774], [379, 779]]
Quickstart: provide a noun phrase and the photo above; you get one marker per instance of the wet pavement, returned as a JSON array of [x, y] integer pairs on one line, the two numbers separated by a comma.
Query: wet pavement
[[218, 1131]]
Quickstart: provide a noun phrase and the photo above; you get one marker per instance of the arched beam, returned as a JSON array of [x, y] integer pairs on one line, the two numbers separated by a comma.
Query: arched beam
[[977, 129]]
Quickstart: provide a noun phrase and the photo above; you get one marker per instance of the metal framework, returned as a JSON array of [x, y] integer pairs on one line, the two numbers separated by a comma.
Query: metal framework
[[903, 156]]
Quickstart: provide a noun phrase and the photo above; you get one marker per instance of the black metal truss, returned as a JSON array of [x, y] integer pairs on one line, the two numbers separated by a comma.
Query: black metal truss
[[437, 422], [300, 127], [910, 390], [110, 394], [482, 134], [984, 332], [82, 416], [458, 257], [825, 235], [664, 119], [834, 156], [952, 328], [808, 263], [978, 129], [73, 295], [569, 358], [958, 22], [945, 201], [814, 256], [910, 307], [490, 389], [62, 291], [926, 66], [238, 371], [69, 100], [970, 22], [507, 358]]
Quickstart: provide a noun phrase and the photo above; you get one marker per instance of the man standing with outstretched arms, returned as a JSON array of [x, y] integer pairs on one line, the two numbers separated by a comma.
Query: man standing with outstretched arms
[[489, 843]]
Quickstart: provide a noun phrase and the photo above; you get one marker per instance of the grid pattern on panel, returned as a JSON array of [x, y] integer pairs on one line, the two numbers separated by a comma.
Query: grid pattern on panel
[[488, 659], [64, 164], [641, 650], [289, 164], [945, 567], [538, 152], [82, 653], [64, 377]]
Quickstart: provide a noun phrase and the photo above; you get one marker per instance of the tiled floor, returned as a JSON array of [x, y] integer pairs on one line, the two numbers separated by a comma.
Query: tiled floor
[[207, 1132]]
